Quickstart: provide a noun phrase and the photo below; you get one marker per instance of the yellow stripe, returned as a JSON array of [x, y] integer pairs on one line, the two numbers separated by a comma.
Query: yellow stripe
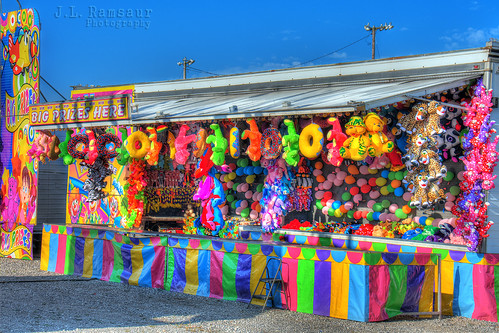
[[88, 252], [257, 265], [426, 300], [191, 272], [137, 265], [44, 260], [447, 286], [340, 282]]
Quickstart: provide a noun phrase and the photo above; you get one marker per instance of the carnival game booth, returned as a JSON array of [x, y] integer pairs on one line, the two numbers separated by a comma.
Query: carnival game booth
[[357, 176]]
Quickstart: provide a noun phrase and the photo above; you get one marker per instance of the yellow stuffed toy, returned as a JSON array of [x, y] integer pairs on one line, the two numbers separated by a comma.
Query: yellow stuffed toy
[[379, 141], [355, 147]]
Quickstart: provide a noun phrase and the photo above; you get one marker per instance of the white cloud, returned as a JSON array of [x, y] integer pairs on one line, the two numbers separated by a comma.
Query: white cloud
[[470, 37], [338, 55]]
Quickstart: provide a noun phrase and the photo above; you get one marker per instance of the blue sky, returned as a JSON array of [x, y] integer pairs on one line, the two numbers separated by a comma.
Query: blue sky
[[226, 37]]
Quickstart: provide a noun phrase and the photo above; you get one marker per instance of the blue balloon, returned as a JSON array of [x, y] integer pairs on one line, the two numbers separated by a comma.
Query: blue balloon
[[240, 171], [258, 170], [238, 203], [376, 215], [336, 204], [385, 173], [399, 191]]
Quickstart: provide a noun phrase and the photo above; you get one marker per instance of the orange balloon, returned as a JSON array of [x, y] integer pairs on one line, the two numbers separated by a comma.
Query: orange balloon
[[258, 208], [353, 170], [349, 180], [364, 213], [318, 165], [320, 179], [406, 209], [343, 209], [396, 183]]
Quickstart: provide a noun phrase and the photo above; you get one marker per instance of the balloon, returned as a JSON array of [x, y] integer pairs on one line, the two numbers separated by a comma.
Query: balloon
[[253, 205], [376, 216], [448, 205], [320, 179], [331, 177], [232, 175], [353, 170], [258, 208], [238, 187], [317, 172], [407, 196], [239, 210], [422, 220], [374, 194], [230, 198], [250, 179], [330, 211], [380, 181], [336, 204], [248, 195], [225, 210], [338, 182], [400, 214], [346, 196], [393, 208], [377, 207], [390, 188], [369, 216], [318, 204], [385, 173], [328, 195], [399, 191], [341, 175], [365, 188], [349, 205], [354, 190], [370, 203], [325, 210], [364, 170], [321, 186], [391, 175], [327, 185], [373, 171], [255, 197], [319, 194], [330, 202], [245, 212], [449, 176], [259, 188], [406, 209], [429, 221], [450, 197], [357, 215], [338, 213], [435, 222], [399, 175], [244, 204], [253, 214], [232, 167], [230, 184], [460, 175], [240, 171], [258, 170], [372, 182], [244, 187], [382, 216], [350, 214], [361, 181], [384, 190], [396, 183], [357, 198], [318, 165], [455, 190], [349, 180]]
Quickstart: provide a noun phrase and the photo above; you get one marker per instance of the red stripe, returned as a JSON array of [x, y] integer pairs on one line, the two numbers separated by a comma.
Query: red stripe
[[158, 268], [216, 274], [379, 284], [289, 275], [107, 260], [483, 293], [61, 254]]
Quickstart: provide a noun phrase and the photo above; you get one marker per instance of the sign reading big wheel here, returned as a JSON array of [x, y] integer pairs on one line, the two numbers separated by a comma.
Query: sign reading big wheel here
[[85, 111]]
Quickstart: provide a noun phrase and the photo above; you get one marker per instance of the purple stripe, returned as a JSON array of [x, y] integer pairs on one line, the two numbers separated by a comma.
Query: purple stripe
[[178, 278], [107, 260], [79, 255], [322, 288], [243, 277], [415, 281], [127, 262], [216, 274], [158, 268]]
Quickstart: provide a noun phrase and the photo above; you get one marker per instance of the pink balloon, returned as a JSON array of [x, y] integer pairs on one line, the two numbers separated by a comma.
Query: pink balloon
[[244, 187], [225, 210], [319, 195], [239, 210], [341, 175], [329, 203], [460, 175], [348, 205], [357, 198], [244, 204], [364, 170], [407, 196], [260, 196], [253, 214], [435, 222], [255, 196], [321, 186], [448, 205], [452, 221], [393, 208], [338, 182], [221, 178], [248, 195], [230, 184], [337, 170], [416, 219], [374, 194], [238, 188], [382, 216], [325, 210], [450, 197], [317, 172], [361, 181], [331, 177], [370, 203], [327, 185]]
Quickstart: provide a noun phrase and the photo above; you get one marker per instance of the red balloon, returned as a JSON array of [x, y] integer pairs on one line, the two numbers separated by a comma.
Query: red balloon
[[354, 190], [365, 188]]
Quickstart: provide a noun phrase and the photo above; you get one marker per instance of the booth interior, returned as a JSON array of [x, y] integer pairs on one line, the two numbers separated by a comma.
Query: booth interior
[[373, 208]]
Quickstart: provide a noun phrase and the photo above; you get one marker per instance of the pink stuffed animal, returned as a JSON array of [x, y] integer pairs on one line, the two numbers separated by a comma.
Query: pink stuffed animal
[[181, 143], [337, 137]]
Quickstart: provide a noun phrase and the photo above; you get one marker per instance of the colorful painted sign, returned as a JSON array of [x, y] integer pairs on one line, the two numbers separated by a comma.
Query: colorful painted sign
[[20, 35], [90, 93], [87, 111]]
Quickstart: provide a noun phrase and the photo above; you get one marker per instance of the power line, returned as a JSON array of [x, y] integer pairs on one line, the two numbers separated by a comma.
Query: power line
[[52, 87], [342, 48], [43, 96], [202, 71]]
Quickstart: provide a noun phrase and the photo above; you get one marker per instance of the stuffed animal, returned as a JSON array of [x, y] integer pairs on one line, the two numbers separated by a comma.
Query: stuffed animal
[[379, 141], [337, 138], [200, 147], [435, 194], [449, 144], [63, 147], [432, 121], [171, 143], [181, 143], [152, 155], [255, 137], [414, 149], [400, 139], [123, 154], [92, 152], [419, 198], [431, 160], [219, 144], [291, 144], [356, 145], [408, 122], [54, 151]]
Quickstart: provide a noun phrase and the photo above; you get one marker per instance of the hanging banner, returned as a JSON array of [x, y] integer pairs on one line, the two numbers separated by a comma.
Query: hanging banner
[[20, 33], [86, 111], [99, 92]]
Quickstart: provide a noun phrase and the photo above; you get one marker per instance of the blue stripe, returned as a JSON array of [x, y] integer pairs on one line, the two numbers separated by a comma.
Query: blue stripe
[[148, 254], [127, 262], [204, 260], [178, 279], [273, 265], [97, 259], [464, 301], [53, 249], [415, 281], [358, 293], [79, 255], [243, 277]]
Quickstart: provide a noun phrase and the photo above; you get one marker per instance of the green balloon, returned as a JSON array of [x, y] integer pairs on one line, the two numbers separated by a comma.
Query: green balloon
[[230, 198], [377, 207], [346, 196], [259, 188], [391, 175], [330, 211], [400, 214], [399, 175], [245, 212], [449, 176], [454, 190], [233, 204], [350, 214], [386, 203], [370, 216], [406, 172], [390, 188], [244, 162], [318, 204], [234, 187], [255, 163]]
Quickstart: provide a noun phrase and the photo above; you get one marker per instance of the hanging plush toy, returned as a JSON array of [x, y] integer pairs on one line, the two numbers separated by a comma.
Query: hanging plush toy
[[54, 148], [152, 155], [63, 147], [271, 143], [291, 144], [171, 143], [219, 144], [356, 145], [255, 137], [408, 122], [311, 141], [432, 122], [200, 146], [337, 137], [123, 155], [234, 144], [181, 143], [379, 141], [138, 144], [92, 152], [41, 146]]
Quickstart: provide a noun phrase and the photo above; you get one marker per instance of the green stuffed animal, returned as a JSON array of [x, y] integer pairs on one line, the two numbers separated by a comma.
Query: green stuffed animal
[[291, 144], [123, 154], [219, 145], [63, 147]]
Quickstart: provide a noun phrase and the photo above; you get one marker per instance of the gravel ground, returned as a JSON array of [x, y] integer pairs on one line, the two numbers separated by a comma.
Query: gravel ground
[[36, 301]]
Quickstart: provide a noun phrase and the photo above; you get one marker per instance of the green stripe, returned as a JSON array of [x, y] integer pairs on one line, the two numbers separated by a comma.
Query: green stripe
[[69, 264], [118, 263], [305, 281], [397, 291], [229, 269], [169, 268], [496, 286]]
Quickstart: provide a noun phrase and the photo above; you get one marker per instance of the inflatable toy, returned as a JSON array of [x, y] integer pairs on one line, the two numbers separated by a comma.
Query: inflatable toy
[[311, 141]]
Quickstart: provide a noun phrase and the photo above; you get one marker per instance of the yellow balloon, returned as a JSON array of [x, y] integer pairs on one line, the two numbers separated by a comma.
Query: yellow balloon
[[338, 213], [232, 175]]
